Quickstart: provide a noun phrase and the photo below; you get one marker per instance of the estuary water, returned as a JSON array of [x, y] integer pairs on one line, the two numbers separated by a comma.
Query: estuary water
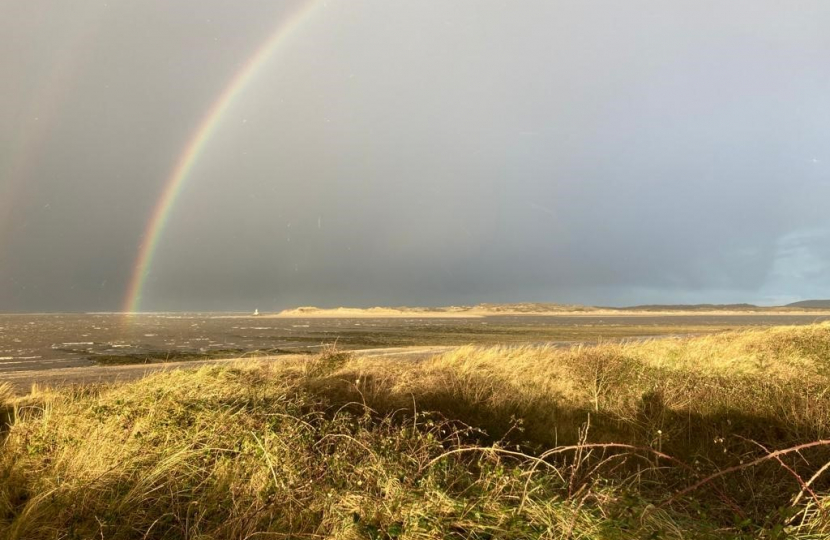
[[49, 341]]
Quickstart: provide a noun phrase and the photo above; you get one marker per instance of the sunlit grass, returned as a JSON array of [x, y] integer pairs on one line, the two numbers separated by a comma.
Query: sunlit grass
[[479, 442]]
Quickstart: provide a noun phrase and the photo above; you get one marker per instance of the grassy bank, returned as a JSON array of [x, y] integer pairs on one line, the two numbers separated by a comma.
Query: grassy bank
[[680, 438]]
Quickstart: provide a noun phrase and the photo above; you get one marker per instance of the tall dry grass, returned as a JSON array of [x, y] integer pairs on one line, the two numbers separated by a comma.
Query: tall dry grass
[[681, 438], [772, 383]]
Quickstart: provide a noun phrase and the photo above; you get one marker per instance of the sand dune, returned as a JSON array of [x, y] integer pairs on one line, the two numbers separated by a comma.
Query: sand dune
[[535, 309]]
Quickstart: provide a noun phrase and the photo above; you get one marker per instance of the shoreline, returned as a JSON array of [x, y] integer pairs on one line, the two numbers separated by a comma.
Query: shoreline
[[481, 314]]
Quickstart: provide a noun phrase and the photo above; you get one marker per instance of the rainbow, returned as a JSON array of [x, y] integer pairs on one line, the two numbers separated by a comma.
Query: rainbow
[[196, 145]]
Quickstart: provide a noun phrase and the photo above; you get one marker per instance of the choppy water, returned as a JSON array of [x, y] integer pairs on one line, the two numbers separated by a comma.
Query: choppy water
[[47, 341]]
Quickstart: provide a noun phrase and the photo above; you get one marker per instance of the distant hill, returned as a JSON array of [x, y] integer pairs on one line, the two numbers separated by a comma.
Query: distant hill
[[531, 308], [694, 307], [811, 304], [456, 311]]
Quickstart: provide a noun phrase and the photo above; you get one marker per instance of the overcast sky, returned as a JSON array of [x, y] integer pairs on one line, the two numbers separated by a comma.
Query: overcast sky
[[427, 153]]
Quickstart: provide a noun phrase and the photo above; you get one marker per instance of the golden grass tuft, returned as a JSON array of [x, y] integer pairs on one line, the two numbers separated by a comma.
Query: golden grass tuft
[[6, 397], [480, 442]]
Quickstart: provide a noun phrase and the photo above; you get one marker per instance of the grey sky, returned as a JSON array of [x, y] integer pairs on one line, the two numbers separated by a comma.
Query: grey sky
[[424, 152]]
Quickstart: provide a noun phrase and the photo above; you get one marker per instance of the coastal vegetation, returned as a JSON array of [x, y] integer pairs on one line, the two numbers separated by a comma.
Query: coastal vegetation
[[541, 309], [718, 436]]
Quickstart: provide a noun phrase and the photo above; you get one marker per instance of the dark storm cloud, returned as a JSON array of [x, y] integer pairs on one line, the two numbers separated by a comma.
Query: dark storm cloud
[[418, 153]]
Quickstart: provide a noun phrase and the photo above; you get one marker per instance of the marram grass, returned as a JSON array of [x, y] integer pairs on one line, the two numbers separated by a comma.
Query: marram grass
[[665, 439]]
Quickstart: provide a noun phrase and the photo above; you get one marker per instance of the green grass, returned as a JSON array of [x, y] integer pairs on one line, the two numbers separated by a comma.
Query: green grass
[[664, 439]]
